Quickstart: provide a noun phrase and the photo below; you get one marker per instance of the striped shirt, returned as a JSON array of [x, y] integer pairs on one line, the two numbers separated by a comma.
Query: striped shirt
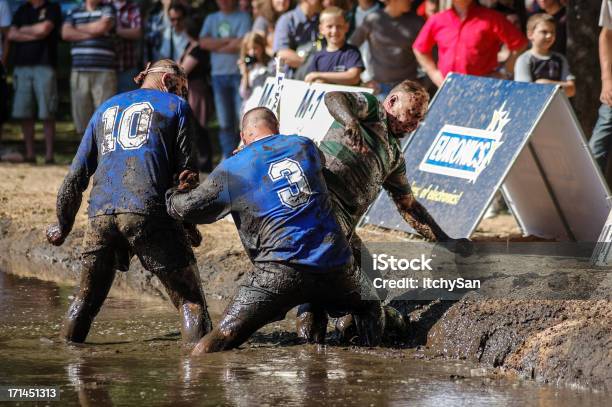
[[96, 54]]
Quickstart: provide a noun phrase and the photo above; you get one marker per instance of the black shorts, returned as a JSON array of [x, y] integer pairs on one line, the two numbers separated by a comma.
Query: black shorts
[[267, 295], [160, 243]]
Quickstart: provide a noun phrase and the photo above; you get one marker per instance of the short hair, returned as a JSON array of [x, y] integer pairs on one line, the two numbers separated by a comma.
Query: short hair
[[536, 19], [332, 11], [178, 6], [409, 87], [260, 114]]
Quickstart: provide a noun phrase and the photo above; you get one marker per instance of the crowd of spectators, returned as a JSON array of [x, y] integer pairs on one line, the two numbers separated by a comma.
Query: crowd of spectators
[[231, 52]]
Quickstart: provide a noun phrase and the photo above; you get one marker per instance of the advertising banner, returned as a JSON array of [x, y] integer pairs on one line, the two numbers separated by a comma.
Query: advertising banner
[[481, 132]]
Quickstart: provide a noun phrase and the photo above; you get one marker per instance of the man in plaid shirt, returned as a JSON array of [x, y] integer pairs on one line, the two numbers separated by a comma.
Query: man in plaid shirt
[[129, 32]]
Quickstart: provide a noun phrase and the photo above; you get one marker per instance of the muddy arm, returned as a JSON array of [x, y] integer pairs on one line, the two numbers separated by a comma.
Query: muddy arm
[[71, 191], [419, 218], [207, 203], [341, 108]]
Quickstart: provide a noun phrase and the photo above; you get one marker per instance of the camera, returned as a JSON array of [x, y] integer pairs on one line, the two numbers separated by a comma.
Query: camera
[[249, 61]]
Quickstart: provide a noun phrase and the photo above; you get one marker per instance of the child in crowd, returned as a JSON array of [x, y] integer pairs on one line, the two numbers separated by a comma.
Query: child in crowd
[[254, 63], [540, 64], [339, 62]]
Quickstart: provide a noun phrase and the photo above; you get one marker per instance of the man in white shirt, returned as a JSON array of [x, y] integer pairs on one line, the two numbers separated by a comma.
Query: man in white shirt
[[601, 140]]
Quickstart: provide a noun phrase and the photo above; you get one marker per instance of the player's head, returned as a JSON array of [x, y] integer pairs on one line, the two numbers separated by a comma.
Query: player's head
[[541, 31], [258, 123], [406, 106], [333, 26], [165, 75]]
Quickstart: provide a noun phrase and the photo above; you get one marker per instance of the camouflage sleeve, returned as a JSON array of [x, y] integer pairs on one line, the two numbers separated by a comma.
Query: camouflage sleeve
[[83, 166], [207, 203]]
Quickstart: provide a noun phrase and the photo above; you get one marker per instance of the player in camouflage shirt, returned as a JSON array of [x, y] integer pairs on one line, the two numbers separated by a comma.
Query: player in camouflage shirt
[[362, 154]]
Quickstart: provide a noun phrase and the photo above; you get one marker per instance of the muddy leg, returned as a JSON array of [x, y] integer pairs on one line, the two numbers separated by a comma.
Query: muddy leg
[[185, 290], [311, 323], [97, 278], [236, 326]]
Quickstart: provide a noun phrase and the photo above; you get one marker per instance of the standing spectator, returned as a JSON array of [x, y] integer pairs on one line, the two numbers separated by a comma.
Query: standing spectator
[[339, 62], [34, 36], [196, 64], [601, 140], [268, 13], [468, 37], [363, 8], [253, 63], [176, 39], [222, 34], [93, 78], [5, 22], [157, 23], [555, 9], [296, 33], [540, 64], [129, 31], [390, 33]]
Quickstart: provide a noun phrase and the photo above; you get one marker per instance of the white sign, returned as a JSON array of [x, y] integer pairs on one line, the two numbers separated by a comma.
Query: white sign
[[302, 108]]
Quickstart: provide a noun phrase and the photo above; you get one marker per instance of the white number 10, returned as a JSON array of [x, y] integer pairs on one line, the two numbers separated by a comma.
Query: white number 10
[[133, 126]]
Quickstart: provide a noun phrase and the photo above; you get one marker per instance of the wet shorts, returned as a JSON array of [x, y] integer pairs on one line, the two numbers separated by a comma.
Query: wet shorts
[[267, 295], [160, 243]]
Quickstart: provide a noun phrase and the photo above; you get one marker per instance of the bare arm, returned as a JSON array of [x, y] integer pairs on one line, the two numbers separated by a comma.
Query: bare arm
[[429, 66], [70, 33], [232, 47], [129, 33], [16, 35], [96, 28], [605, 60], [568, 86], [509, 65], [350, 77], [38, 30], [290, 57], [213, 44]]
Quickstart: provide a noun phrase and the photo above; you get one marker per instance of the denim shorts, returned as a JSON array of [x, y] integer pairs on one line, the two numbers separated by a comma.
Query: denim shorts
[[35, 91]]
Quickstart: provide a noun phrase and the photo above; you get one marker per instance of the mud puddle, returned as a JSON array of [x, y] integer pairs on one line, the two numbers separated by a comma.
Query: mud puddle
[[134, 357]]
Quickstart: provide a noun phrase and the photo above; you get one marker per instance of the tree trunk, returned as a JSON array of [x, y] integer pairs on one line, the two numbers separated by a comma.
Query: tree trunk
[[583, 56]]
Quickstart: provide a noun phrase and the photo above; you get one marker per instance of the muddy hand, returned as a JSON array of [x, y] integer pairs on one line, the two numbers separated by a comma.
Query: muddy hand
[[188, 180], [463, 247], [193, 234], [55, 235]]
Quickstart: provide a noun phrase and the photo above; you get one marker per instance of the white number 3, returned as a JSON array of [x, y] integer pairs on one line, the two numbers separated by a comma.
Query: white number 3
[[298, 192], [133, 126]]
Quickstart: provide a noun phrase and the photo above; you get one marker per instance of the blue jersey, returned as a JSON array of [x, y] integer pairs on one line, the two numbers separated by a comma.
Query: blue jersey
[[134, 145], [275, 191]]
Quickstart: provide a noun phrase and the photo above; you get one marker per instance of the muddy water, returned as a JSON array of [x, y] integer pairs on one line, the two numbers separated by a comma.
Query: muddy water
[[134, 357]]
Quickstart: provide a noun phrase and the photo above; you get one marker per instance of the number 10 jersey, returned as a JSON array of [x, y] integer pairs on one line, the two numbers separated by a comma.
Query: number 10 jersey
[[134, 145]]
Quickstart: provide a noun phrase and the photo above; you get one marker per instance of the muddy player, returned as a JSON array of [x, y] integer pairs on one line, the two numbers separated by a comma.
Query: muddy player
[[362, 154], [274, 190], [135, 146]]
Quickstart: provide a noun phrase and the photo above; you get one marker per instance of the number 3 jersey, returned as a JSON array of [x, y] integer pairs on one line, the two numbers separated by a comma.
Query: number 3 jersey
[[134, 145], [275, 191]]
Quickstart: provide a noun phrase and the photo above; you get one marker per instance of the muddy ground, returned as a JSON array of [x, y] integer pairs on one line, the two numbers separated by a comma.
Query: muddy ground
[[557, 341]]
